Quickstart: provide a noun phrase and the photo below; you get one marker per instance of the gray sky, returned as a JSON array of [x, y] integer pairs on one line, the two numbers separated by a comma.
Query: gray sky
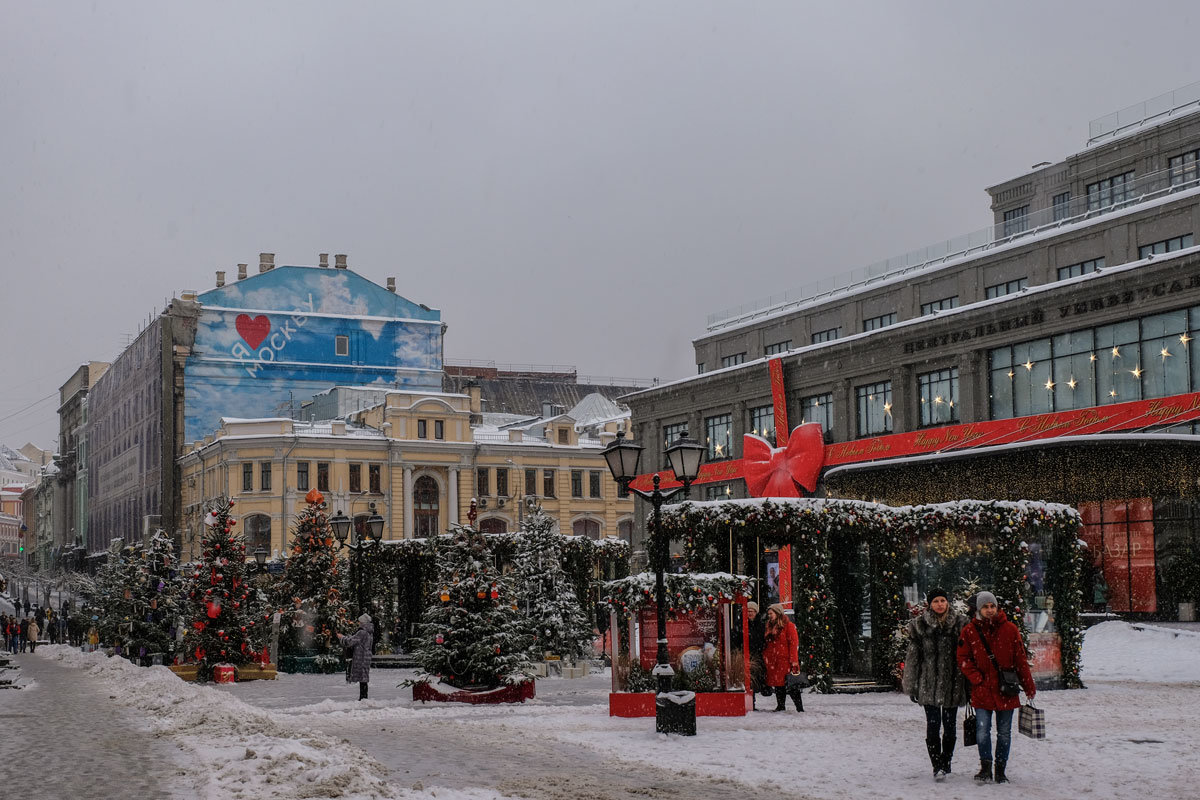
[[569, 183]]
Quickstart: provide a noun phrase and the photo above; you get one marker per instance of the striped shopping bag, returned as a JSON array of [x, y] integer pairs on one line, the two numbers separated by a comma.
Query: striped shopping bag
[[1031, 722]]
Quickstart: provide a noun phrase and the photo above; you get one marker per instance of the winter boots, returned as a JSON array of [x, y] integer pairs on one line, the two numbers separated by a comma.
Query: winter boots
[[781, 695], [1000, 776], [985, 771], [362, 690], [934, 746]]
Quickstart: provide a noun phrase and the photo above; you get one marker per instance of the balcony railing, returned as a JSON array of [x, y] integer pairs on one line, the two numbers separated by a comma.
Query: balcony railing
[[1153, 110], [1076, 209]]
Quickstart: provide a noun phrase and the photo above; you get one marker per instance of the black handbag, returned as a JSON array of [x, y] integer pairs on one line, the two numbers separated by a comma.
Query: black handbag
[[969, 732], [1010, 681], [797, 680]]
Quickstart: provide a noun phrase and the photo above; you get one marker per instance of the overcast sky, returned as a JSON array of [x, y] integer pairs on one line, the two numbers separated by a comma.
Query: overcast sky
[[570, 183]]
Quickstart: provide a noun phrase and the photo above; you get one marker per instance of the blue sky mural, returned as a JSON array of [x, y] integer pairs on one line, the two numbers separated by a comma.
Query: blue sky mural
[[272, 340]]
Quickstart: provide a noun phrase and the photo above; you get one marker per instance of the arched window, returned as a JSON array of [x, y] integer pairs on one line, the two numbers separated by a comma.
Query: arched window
[[258, 533], [425, 507], [586, 527], [625, 530], [493, 525]]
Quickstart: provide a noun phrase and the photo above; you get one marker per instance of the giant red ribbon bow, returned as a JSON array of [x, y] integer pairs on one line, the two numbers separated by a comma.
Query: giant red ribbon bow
[[778, 471]]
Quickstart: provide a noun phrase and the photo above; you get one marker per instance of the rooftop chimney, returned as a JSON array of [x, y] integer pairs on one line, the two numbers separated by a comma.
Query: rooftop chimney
[[242, 272], [220, 279], [266, 262], [391, 284], [324, 260], [339, 261]]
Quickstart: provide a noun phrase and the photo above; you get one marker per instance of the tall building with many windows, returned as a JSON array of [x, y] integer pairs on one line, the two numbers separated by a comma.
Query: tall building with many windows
[[976, 359]]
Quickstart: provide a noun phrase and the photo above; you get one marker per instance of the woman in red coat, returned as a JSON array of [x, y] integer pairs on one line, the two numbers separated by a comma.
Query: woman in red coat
[[781, 655], [992, 626]]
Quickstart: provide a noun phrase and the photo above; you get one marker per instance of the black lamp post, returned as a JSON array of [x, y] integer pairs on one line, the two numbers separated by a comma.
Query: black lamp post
[[684, 457], [341, 525], [260, 557]]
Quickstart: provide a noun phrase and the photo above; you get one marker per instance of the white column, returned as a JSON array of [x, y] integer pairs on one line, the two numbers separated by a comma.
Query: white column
[[408, 503], [453, 495]]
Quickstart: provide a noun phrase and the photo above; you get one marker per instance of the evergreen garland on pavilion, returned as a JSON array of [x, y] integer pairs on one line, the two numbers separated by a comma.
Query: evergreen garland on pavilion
[[228, 618], [309, 594], [555, 618]]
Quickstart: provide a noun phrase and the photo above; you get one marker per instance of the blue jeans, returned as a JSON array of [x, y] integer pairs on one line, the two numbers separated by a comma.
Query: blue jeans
[[983, 732]]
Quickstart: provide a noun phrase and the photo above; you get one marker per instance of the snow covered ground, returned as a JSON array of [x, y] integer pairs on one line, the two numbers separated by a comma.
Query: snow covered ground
[[1132, 733]]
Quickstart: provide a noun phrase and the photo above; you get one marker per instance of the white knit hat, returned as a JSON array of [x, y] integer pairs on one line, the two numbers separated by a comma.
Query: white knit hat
[[364, 619]]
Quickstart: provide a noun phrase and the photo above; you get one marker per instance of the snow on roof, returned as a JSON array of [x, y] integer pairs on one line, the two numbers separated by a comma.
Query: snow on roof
[[596, 407]]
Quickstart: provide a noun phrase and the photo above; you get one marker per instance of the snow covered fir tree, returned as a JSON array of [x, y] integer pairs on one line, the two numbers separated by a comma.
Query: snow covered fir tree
[[556, 622], [227, 617], [472, 634], [111, 594], [310, 591]]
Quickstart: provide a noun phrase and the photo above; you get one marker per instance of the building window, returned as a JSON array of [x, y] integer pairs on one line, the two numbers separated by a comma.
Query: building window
[[586, 527], [882, 321], [733, 360], [594, 483], [302, 476], [421, 429], [493, 525], [1010, 287], [717, 491], [762, 422], [439, 429], [1082, 268], [356, 477], [1165, 246], [576, 483], [718, 433], [548, 483], [1183, 168], [938, 396], [531, 481], [482, 484], [264, 475], [1109, 191], [323, 476], [1062, 206], [700, 369], [258, 533], [827, 335], [373, 478], [1016, 221], [777, 348], [672, 432], [564, 436], [341, 345], [248, 476], [945, 304], [818, 408], [502, 481], [874, 408], [425, 507]]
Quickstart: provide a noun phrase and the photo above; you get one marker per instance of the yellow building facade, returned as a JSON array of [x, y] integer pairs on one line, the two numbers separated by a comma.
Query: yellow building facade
[[418, 458]]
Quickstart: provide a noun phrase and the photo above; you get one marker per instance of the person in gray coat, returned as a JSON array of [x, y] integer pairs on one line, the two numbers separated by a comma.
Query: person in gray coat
[[932, 677], [362, 643]]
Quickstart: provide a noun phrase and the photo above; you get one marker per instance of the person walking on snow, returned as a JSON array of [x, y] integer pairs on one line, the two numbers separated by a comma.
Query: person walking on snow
[[989, 644], [932, 677], [34, 633], [781, 654], [362, 641]]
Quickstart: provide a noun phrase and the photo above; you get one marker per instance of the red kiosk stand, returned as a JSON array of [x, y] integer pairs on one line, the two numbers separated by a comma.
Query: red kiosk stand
[[699, 645]]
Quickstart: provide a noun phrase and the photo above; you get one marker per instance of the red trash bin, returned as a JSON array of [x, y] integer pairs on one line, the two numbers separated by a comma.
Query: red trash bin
[[224, 673]]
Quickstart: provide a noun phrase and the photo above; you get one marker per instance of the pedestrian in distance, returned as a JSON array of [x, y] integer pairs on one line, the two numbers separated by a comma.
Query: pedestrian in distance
[[756, 634], [781, 655], [34, 632], [24, 633], [359, 646], [992, 657], [933, 679]]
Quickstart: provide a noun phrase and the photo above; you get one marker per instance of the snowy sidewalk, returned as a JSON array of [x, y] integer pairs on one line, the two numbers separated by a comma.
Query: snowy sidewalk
[[60, 738]]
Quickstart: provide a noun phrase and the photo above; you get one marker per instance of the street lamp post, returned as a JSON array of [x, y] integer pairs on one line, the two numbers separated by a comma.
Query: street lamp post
[[341, 525], [684, 457]]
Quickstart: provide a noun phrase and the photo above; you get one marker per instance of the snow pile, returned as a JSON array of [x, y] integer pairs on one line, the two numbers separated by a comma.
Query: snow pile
[[1119, 651], [235, 750]]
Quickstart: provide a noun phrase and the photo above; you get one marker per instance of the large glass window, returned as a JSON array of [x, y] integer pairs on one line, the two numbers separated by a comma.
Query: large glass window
[[778, 347], [1062, 206], [374, 478], [718, 433], [248, 476], [323, 476], [1109, 191], [938, 396], [1120, 538], [1082, 268], [548, 484], [1165, 246], [672, 432], [1009, 287], [762, 422], [733, 360], [576, 483], [531, 481], [882, 321], [594, 483], [502, 481], [425, 507], [826, 335], [1016, 220], [483, 484], [1183, 168], [945, 304], [874, 408], [356, 477], [818, 408], [302, 476]]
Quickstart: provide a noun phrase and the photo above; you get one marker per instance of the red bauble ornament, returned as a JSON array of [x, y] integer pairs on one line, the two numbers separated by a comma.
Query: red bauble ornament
[[440, 639]]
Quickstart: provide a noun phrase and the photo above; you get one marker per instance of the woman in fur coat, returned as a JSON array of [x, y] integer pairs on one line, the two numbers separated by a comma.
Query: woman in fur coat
[[933, 679]]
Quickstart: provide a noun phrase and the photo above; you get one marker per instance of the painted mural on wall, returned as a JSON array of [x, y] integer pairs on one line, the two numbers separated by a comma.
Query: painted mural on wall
[[272, 340]]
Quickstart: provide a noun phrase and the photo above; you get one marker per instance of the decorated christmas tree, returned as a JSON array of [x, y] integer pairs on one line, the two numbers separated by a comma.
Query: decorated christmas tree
[[555, 621], [472, 634], [310, 593], [155, 595], [228, 618], [113, 594]]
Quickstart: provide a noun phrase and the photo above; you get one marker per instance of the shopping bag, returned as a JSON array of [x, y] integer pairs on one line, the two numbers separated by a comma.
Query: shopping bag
[[1031, 722], [969, 734]]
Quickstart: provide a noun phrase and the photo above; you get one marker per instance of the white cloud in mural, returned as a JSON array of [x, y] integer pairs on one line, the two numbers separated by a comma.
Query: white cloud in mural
[[374, 327], [217, 331], [415, 347], [335, 297]]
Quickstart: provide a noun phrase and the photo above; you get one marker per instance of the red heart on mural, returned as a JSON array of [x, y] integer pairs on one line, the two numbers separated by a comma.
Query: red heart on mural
[[778, 471], [253, 330]]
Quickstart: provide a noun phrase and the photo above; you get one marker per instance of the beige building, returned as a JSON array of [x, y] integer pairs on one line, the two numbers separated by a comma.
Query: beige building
[[419, 458]]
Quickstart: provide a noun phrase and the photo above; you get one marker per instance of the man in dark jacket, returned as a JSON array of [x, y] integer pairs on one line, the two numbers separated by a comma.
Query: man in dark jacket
[[991, 630], [932, 677]]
